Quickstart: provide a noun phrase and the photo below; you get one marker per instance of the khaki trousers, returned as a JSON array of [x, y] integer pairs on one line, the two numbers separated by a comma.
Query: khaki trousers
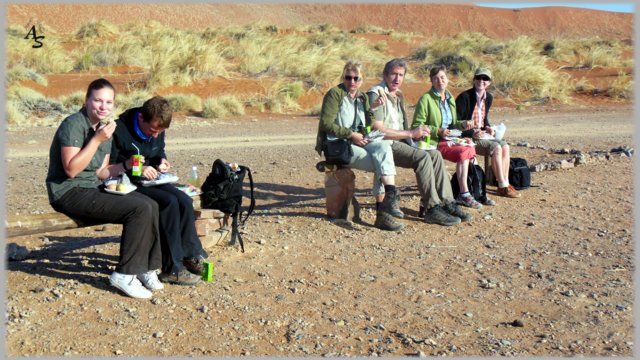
[[434, 183]]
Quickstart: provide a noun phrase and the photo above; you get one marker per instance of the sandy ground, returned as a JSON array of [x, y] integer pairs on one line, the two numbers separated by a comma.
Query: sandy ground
[[549, 274]]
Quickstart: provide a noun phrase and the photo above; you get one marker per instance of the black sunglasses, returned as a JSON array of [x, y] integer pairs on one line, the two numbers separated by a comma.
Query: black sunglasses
[[483, 77], [354, 78]]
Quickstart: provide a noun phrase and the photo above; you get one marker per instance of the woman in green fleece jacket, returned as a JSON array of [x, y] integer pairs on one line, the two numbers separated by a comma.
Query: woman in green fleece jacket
[[437, 109], [345, 113]]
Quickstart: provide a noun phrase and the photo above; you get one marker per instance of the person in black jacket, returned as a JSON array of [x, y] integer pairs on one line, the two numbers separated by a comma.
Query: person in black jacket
[[473, 106], [142, 129]]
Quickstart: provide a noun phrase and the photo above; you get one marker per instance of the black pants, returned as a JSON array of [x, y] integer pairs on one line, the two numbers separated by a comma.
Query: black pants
[[140, 240], [177, 226]]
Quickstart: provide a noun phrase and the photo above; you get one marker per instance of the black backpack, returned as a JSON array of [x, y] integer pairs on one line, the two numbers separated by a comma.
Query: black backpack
[[222, 190], [476, 183], [519, 173]]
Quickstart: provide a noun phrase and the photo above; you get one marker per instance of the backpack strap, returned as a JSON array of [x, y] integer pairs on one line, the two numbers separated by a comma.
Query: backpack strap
[[235, 233], [252, 203]]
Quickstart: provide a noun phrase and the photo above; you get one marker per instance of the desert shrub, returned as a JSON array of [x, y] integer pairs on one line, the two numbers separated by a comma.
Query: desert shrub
[[456, 64], [530, 77], [32, 107], [363, 29], [21, 73], [221, 106], [133, 99], [622, 87], [17, 31], [420, 53], [583, 85], [585, 53], [294, 90], [50, 58], [317, 58], [459, 54], [125, 50], [73, 101], [180, 57], [598, 56], [13, 113], [403, 36], [184, 102], [381, 46], [314, 110], [96, 29]]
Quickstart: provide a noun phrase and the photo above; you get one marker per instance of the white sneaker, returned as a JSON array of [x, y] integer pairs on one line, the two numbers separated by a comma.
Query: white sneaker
[[130, 285], [150, 280]]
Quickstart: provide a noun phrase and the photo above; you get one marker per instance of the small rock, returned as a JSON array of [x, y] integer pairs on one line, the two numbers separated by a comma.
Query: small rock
[[16, 252]]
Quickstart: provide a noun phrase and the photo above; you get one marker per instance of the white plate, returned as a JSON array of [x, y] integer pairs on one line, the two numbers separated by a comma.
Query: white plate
[[186, 190], [130, 188], [162, 180], [455, 133]]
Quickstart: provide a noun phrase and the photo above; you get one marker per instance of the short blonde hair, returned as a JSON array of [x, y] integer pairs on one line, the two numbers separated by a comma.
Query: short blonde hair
[[355, 66]]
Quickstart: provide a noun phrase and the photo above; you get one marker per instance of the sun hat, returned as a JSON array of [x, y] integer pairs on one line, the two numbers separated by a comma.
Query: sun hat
[[483, 71]]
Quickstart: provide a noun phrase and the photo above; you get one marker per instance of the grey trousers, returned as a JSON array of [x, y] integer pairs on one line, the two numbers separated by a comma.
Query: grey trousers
[[434, 184], [375, 157]]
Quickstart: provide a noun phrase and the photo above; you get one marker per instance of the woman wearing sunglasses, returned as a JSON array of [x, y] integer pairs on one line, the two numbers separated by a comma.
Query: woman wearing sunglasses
[[345, 113], [473, 106]]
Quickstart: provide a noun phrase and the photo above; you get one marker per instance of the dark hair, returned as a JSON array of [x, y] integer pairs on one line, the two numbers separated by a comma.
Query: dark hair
[[98, 84], [436, 69], [388, 67], [157, 108]]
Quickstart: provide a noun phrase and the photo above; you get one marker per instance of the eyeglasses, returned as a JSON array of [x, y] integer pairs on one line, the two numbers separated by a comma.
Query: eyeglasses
[[354, 78], [483, 77]]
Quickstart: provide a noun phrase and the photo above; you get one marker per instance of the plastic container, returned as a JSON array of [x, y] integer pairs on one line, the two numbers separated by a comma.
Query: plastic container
[[194, 179], [500, 130]]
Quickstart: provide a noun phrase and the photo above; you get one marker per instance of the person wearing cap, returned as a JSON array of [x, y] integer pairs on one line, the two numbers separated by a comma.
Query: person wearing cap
[[473, 106]]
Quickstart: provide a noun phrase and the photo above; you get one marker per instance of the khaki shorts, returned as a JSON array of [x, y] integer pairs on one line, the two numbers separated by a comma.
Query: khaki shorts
[[485, 147]]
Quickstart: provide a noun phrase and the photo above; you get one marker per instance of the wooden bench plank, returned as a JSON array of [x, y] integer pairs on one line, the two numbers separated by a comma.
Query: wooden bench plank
[[18, 225]]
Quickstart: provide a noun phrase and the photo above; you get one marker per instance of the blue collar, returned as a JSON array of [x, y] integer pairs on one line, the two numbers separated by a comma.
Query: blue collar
[[136, 127]]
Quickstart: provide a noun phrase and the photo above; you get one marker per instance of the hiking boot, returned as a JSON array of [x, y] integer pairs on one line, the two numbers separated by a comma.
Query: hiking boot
[[455, 210], [386, 221], [150, 280], [130, 285], [509, 192], [194, 264], [182, 277], [384, 217], [395, 205], [437, 215], [468, 201]]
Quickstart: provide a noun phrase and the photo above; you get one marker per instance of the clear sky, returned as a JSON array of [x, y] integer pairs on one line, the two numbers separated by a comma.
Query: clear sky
[[618, 7]]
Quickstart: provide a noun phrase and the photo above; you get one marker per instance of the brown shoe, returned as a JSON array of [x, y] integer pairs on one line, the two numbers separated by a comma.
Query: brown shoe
[[509, 192]]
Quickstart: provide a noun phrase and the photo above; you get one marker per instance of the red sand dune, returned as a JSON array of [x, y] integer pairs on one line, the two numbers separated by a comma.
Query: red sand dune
[[427, 19]]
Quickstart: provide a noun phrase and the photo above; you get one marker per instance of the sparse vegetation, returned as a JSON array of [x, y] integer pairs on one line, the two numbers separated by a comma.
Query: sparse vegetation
[[221, 106], [622, 87], [299, 59], [184, 102]]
